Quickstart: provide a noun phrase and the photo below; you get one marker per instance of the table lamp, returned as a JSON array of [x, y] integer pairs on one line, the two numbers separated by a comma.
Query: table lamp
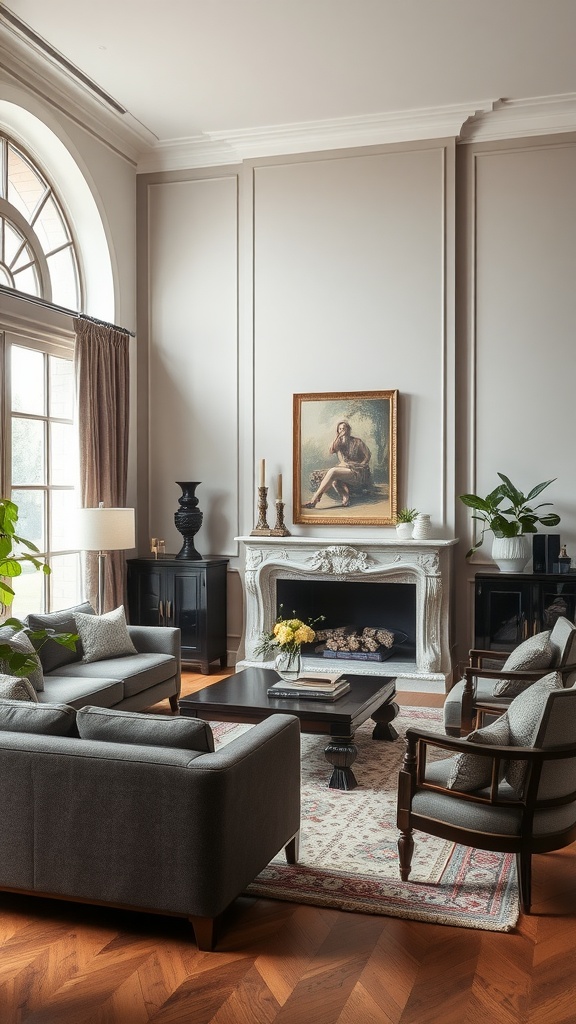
[[105, 529]]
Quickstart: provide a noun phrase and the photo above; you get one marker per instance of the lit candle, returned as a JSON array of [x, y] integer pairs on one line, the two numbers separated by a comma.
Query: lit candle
[[262, 472], [280, 487]]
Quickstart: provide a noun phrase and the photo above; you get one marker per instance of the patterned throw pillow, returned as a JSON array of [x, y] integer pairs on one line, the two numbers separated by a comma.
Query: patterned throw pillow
[[14, 688], [21, 644], [148, 730], [104, 636], [472, 772], [524, 716], [535, 652]]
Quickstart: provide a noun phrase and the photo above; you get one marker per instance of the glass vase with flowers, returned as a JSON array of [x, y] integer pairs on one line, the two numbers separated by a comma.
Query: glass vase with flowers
[[285, 641]]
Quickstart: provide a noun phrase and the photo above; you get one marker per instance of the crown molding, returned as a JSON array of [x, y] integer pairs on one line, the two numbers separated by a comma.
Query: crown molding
[[30, 67], [221, 147], [512, 119]]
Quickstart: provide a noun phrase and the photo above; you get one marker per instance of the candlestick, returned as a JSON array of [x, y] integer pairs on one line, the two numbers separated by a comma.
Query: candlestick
[[279, 527], [279, 495], [262, 529], [262, 472]]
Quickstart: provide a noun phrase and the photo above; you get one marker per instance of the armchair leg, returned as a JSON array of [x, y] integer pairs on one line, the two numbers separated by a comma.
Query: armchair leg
[[524, 870], [405, 851], [174, 703]]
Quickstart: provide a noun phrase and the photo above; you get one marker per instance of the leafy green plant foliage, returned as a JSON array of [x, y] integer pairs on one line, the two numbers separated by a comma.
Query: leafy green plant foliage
[[406, 515], [516, 517]]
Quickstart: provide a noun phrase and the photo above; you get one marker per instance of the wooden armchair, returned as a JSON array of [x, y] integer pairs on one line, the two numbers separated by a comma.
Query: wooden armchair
[[533, 812], [474, 693]]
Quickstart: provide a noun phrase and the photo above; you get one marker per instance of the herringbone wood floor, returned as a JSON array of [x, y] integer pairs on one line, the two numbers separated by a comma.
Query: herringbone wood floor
[[62, 963]]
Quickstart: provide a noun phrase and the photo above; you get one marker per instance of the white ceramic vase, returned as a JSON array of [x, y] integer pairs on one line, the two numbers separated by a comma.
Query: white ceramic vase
[[511, 554], [422, 527], [404, 530]]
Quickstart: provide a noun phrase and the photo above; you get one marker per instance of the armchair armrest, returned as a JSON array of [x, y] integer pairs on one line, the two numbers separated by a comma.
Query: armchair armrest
[[477, 655]]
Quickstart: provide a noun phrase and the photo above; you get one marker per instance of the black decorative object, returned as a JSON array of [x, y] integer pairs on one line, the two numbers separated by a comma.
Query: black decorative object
[[188, 519]]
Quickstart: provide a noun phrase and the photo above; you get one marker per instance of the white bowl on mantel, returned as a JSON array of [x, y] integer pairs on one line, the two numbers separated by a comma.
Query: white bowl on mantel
[[512, 554]]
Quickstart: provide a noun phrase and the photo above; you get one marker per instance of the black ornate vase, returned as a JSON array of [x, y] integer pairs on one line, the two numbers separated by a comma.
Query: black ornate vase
[[188, 518]]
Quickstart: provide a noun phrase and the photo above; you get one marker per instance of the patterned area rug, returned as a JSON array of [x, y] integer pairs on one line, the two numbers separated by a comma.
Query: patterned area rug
[[348, 852]]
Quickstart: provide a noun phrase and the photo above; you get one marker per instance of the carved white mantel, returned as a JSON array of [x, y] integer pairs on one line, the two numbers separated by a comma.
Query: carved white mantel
[[425, 564]]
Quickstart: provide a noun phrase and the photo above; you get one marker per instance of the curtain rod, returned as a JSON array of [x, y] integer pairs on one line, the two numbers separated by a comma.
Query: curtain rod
[[4, 290]]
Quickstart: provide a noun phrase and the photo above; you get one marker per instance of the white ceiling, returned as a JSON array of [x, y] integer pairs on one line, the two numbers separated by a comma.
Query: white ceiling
[[187, 67]]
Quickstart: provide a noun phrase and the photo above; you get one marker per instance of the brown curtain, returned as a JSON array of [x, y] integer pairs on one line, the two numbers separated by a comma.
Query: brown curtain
[[102, 394]]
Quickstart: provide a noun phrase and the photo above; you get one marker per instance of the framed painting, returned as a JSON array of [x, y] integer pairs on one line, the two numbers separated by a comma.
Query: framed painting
[[345, 458]]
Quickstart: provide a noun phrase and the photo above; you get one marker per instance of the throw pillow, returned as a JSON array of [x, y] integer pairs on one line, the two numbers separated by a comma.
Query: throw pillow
[[472, 772], [535, 652], [20, 643], [148, 730], [524, 716], [46, 719], [52, 654], [104, 636], [14, 688]]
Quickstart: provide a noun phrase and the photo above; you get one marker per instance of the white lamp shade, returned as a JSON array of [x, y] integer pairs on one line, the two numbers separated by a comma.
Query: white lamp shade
[[105, 529]]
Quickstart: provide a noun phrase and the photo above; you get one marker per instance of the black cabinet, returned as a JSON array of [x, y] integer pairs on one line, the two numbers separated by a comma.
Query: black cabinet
[[509, 607], [170, 591]]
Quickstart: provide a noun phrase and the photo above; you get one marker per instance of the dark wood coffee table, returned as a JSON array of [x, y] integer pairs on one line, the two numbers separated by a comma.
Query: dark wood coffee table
[[242, 698]]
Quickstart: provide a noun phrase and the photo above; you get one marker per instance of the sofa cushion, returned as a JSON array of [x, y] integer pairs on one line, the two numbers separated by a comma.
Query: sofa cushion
[[469, 771], [104, 636], [146, 730], [535, 652], [138, 671], [16, 688], [47, 719], [20, 643], [80, 690], [53, 654]]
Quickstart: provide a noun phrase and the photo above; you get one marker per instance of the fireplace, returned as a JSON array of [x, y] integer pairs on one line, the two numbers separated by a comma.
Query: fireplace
[[402, 586]]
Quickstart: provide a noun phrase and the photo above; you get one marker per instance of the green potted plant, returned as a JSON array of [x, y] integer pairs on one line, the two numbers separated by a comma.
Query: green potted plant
[[405, 521], [510, 522], [14, 552]]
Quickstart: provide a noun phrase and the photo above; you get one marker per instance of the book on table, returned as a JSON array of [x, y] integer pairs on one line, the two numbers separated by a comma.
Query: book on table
[[309, 688]]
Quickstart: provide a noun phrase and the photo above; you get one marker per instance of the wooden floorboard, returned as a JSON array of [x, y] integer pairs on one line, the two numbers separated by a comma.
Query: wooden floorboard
[[281, 963]]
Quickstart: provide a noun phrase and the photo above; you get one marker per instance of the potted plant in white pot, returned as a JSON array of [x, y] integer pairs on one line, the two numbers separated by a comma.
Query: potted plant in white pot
[[510, 524], [405, 522]]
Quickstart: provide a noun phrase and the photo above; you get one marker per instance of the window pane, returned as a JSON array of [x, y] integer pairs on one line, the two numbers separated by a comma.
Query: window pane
[[50, 227], [61, 386], [31, 517], [27, 281], [65, 584], [28, 452], [13, 244], [62, 463], [63, 278], [5, 279], [25, 187], [29, 592], [63, 513], [27, 381]]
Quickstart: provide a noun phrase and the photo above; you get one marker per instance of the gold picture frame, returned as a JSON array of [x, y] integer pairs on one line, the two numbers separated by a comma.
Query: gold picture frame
[[344, 463]]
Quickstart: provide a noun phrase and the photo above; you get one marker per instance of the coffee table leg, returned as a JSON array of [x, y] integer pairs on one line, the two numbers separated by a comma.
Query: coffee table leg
[[383, 730], [341, 753]]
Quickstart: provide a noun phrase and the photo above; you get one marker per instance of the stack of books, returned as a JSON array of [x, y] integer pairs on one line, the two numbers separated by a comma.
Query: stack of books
[[311, 687]]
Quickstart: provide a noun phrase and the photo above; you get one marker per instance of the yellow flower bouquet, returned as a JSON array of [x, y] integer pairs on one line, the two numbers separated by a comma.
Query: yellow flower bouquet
[[288, 635]]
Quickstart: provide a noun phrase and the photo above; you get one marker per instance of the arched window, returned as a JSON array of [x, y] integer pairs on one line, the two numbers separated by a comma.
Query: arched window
[[37, 250], [39, 259]]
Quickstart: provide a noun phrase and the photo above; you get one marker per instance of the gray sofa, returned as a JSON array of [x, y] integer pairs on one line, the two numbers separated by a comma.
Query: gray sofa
[[130, 683], [150, 818]]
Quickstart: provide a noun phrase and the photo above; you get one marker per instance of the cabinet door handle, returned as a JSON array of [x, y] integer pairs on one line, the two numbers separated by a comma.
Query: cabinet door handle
[[160, 613], [168, 610]]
